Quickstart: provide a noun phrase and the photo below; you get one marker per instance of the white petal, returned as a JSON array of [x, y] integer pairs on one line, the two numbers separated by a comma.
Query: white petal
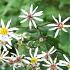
[[68, 68], [66, 58], [34, 24], [13, 54], [5, 48], [55, 60], [27, 58], [31, 9], [5, 53], [50, 59], [56, 34], [45, 65], [49, 69], [59, 68], [30, 25], [9, 46], [36, 50], [9, 42], [59, 18], [34, 10], [2, 23], [14, 68], [64, 30], [55, 19], [54, 28], [40, 55], [26, 61], [13, 29], [24, 12], [40, 60], [66, 20], [38, 13], [23, 20], [51, 50], [38, 19], [8, 23], [22, 16], [13, 36], [30, 51], [51, 25], [17, 52], [66, 25], [47, 62], [62, 63]]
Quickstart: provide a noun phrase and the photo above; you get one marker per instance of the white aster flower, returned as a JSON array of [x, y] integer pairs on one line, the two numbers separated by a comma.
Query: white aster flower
[[31, 16], [17, 60], [6, 32], [34, 60], [48, 53], [59, 25], [3, 56], [52, 64], [65, 62]]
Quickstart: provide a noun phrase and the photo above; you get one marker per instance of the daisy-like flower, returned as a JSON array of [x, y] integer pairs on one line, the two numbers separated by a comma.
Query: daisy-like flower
[[31, 16], [65, 62], [34, 60], [48, 53], [6, 32], [52, 64], [59, 25], [3, 56], [17, 60]]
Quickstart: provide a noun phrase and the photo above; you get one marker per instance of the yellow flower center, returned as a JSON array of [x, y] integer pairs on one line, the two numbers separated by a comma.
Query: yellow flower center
[[34, 60], [3, 31], [68, 65]]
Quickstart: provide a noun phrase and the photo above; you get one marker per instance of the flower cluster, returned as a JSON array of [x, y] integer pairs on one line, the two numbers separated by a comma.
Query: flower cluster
[[44, 58]]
